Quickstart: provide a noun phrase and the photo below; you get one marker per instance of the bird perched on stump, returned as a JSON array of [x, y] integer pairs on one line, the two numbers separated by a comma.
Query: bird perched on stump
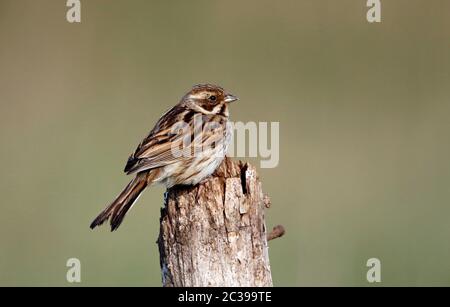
[[186, 145]]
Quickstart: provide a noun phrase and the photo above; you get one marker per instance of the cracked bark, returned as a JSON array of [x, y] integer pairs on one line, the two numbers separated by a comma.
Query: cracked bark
[[214, 234]]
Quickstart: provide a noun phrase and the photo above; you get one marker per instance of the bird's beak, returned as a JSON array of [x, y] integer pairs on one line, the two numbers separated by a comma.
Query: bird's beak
[[230, 98]]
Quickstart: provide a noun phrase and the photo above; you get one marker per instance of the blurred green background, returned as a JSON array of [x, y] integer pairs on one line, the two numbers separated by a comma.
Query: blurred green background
[[364, 117]]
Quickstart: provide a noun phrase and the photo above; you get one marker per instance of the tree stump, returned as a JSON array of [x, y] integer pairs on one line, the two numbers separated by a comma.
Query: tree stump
[[214, 233]]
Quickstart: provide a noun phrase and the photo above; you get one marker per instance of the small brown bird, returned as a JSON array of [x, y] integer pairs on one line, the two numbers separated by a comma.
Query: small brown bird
[[186, 145]]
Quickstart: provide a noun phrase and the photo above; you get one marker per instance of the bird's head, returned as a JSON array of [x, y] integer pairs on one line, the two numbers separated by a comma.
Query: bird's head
[[208, 99]]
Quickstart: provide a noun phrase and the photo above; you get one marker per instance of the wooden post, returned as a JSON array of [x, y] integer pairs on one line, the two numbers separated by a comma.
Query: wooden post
[[214, 234]]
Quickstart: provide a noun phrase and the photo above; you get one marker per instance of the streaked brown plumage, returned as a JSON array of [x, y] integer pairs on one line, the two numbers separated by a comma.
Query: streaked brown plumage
[[186, 145]]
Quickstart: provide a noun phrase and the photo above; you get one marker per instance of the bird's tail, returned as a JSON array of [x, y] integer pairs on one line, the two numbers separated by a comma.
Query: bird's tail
[[117, 210]]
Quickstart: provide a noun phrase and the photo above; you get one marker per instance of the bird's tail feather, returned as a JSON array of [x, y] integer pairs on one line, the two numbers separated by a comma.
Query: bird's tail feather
[[117, 210]]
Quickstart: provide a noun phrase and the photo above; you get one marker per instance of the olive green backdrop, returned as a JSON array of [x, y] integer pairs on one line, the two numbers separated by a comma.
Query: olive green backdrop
[[363, 109]]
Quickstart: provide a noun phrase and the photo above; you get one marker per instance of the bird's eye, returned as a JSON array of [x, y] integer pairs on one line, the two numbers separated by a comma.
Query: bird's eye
[[212, 98]]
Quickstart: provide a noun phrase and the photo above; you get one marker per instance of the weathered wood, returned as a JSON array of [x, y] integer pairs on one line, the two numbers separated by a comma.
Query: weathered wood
[[277, 232], [214, 234]]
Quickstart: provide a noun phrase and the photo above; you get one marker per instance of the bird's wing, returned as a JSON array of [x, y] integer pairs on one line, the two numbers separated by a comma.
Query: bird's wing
[[160, 147]]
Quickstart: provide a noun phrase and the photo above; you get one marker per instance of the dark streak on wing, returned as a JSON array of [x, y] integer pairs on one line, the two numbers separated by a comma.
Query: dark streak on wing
[[154, 150]]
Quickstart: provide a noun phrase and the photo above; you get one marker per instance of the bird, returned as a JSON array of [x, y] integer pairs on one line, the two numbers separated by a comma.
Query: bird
[[185, 146]]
